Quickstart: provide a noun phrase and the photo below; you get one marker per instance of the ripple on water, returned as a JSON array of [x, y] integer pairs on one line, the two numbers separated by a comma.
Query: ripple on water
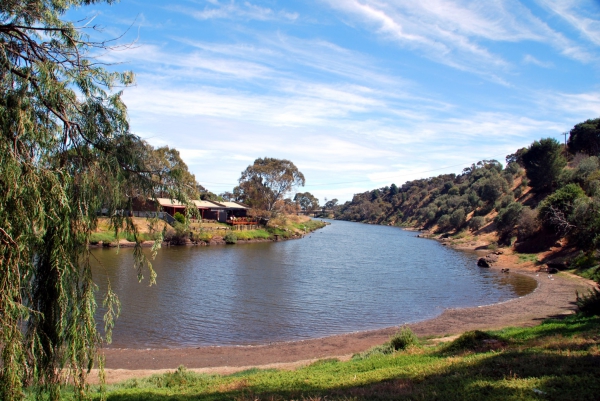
[[347, 277]]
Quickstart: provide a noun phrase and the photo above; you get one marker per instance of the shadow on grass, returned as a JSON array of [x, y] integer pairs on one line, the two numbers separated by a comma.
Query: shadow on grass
[[501, 376]]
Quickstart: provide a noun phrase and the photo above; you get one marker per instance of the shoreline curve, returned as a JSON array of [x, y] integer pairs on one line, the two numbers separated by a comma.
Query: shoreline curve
[[553, 297]]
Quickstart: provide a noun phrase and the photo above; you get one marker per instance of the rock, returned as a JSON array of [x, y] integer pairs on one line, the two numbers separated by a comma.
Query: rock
[[482, 262], [498, 252], [487, 261]]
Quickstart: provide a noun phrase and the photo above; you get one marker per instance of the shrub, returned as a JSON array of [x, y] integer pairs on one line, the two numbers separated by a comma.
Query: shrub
[[476, 341], [179, 217], [404, 339], [457, 218], [230, 238], [476, 223], [555, 210], [528, 223], [444, 221], [507, 218], [589, 304]]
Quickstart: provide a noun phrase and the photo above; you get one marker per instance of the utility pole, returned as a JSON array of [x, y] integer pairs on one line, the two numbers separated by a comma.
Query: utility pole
[[565, 134]]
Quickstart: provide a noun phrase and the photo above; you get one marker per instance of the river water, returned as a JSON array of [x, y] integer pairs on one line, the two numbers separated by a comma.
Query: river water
[[346, 277]]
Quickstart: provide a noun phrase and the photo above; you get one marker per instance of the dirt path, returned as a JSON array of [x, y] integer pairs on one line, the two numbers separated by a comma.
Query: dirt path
[[553, 297]]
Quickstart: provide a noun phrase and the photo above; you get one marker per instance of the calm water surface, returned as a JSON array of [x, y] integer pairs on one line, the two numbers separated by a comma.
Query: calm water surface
[[346, 277]]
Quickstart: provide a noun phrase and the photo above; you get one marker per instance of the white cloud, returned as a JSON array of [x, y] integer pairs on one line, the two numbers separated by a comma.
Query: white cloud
[[529, 59], [237, 10], [581, 19], [456, 33]]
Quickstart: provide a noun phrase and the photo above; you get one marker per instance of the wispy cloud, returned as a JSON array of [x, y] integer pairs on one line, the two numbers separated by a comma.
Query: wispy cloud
[[582, 15], [458, 33], [529, 59], [236, 10]]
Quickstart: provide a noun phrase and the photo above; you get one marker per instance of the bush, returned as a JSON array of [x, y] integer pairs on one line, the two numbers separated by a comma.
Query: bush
[[528, 223], [507, 218], [589, 304], [230, 238], [457, 218], [444, 221], [476, 341], [476, 223], [556, 209], [404, 339], [179, 217]]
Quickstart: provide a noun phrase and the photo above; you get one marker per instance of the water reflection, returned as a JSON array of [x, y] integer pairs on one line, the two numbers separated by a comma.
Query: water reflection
[[346, 277]]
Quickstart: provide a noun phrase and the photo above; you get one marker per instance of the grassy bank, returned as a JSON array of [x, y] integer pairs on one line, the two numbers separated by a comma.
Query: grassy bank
[[282, 227], [558, 360]]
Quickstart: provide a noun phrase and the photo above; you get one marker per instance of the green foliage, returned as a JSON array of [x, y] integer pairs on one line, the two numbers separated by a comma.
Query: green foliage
[[584, 261], [179, 217], [556, 210], [230, 238], [306, 200], [585, 138], [543, 163], [66, 151], [557, 357], [404, 339], [266, 182], [252, 234], [444, 221], [589, 304], [457, 218], [508, 217], [476, 223]]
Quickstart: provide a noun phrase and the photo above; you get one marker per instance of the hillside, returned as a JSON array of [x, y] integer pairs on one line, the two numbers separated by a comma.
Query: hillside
[[546, 201]]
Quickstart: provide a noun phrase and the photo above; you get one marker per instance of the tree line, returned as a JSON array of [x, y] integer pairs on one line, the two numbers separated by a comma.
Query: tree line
[[545, 186]]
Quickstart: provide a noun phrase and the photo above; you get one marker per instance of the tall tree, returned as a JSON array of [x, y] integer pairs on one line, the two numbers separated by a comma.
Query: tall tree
[[307, 201], [543, 163], [267, 181], [66, 151], [585, 138]]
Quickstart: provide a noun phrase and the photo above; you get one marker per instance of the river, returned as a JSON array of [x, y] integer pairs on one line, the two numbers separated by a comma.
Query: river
[[345, 277]]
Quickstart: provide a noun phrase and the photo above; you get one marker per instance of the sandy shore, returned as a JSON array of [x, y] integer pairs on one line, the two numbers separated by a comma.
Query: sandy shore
[[553, 297]]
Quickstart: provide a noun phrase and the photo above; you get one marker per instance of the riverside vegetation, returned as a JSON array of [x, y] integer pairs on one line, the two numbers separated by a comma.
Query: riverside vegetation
[[557, 360], [543, 205], [280, 227]]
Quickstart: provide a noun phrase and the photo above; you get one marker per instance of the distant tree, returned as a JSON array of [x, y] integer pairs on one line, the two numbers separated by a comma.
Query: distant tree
[[393, 189], [585, 138], [226, 195], [516, 157], [167, 167], [307, 201], [267, 181], [543, 163], [331, 204]]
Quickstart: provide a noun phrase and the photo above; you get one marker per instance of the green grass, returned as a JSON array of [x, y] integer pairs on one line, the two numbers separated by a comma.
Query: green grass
[[252, 234], [528, 257], [102, 236], [558, 360]]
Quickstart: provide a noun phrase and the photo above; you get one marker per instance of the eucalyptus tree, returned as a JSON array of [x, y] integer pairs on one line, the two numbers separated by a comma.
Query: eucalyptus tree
[[66, 151], [267, 181]]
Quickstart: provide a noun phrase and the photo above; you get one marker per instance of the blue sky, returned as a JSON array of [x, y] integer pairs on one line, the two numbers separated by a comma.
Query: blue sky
[[359, 94]]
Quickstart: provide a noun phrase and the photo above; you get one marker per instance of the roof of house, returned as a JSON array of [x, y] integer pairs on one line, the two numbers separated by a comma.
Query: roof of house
[[202, 204], [234, 205], [169, 202]]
